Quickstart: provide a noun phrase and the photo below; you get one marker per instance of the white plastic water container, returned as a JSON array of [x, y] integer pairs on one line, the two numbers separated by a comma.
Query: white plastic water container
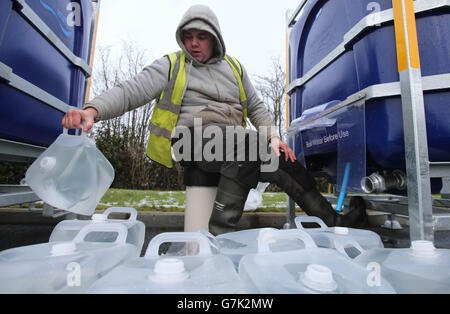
[[325, 236], [311, 270], [71, 174], [66, 230], [63, 267], [237, 244], [204, 273], [420, 269]]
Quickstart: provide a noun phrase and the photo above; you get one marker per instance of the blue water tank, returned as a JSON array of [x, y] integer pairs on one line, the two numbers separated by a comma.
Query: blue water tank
[[46, 61], [369, 59]]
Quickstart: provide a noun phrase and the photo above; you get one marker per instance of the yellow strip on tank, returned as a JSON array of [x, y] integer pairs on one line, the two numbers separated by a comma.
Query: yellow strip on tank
[[412, 34], [400, 35]]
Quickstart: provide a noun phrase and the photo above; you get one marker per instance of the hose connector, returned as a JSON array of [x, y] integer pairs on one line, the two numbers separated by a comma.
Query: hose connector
[[378, 183]]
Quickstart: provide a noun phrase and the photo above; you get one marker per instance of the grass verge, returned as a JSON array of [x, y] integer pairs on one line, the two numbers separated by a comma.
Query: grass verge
[[174, 201]]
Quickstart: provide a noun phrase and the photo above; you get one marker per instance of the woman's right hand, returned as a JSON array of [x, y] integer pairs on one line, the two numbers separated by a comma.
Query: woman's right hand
[[73, 119]]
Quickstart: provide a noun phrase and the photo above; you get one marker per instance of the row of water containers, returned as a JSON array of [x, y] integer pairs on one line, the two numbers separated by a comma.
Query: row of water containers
[[103, 255]]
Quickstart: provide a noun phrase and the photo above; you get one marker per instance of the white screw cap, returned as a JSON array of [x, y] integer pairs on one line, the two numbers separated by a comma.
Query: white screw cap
[[341, 230], [319, 278], [64, 248], [423, 248], [169, 270], [99, 218]]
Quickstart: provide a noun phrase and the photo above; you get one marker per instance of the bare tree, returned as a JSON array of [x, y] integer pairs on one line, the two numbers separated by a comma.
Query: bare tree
[[272, 89], [111, 72]]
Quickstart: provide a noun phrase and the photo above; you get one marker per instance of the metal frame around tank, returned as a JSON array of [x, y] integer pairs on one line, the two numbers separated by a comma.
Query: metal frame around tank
[[23, 152], [425, 214]]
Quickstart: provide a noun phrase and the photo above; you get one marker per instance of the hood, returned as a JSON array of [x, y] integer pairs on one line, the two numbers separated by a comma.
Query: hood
[[202, 17]]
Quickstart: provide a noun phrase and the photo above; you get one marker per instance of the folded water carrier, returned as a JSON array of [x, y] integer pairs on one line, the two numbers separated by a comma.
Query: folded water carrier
[[237, 244], [67, 230], [65, 266], [325, 236], [71, 174], [203, 273], [422, 268], [310, 270]]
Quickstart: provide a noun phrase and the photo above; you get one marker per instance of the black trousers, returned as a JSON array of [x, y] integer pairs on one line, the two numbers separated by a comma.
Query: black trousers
[[234, 155]]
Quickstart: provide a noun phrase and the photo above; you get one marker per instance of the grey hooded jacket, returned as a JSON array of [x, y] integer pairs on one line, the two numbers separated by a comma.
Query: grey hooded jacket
[[212, 91]]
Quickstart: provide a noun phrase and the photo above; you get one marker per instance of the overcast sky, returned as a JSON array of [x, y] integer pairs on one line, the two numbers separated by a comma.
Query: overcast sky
[[253, 30]]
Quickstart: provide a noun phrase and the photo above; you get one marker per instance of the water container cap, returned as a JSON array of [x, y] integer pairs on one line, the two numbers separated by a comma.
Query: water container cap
[[319, 278], [422, 248], [47, 164], [341, 230], [99, 218], [169, 270], [65, 248]]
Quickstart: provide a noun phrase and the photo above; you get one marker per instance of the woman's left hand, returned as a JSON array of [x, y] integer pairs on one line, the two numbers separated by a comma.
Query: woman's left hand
[[277, 145]]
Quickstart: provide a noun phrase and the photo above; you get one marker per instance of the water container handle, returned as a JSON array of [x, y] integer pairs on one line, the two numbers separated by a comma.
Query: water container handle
[[122, 210], [103, 227], [180, 237], [66, 131], [267, 236], [211, 238], [341, 243], [301, 219]]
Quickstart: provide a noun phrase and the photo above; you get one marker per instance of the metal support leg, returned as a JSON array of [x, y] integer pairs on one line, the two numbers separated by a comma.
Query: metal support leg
[[445, 192], [290, 210], [416, 145], [290, 213]]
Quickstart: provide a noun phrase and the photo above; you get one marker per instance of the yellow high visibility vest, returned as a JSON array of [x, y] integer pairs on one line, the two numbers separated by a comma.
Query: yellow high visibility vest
[[166, 111]]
